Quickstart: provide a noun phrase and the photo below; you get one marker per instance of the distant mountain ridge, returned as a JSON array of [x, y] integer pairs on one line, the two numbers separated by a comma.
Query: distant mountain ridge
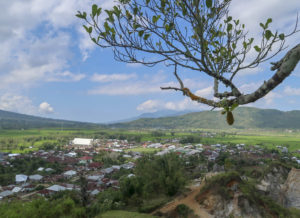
[[12, 120], [245, 118], [157, 114]]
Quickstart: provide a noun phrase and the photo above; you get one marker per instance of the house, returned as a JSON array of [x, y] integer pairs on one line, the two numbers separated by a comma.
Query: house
[[40, 169], [5, 194], [128, 165], [95, 177], [56, 188], [86, 159], [95, 165], [107, 170], [36, 177], [21, 178], [16, 189], [70, 173], [71, 154], [95, 192]]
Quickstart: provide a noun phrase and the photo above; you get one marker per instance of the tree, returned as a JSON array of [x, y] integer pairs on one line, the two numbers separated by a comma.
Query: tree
[[198, 35]]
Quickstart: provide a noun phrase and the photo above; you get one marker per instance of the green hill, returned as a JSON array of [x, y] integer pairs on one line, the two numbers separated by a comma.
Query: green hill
[[245, 118], [11, 120]]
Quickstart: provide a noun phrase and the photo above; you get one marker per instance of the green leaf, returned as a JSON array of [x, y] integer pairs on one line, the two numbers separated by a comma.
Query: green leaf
[[86, 28], [128, 15], [99, 11], [262, 26], [155, 18], [209, 3], [234, 106], [268, 34], [141, 33], [268, 22], [135, 11], [80, 16], [146, 36], [258, 49], [94, 10], [281, 36], [229, 27], [117, 11]]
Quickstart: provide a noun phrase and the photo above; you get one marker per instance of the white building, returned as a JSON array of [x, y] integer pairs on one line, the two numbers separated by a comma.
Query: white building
[[70, 173], [56, 188], [82, 142], [21, 178]]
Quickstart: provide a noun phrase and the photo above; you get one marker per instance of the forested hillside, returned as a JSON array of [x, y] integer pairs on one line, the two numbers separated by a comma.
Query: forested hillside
[[245, 118]]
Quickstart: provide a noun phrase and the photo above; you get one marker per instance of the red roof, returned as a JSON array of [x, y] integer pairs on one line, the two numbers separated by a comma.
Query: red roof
[[95, 165], [86, 158]]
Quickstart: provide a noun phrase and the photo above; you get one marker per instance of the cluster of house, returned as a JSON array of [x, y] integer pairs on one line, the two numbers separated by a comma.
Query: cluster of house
[[74, 163], [77, 160]]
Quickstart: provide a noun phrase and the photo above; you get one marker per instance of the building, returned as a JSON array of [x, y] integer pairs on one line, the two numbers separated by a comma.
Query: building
[[82, 142], [21, 178]]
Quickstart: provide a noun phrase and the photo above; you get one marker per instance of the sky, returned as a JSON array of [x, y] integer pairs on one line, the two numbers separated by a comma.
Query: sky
[[50, 68]]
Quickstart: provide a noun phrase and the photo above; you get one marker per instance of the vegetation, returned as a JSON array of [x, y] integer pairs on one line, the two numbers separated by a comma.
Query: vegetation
[[245, 118], [193, 35], [124, 214], [26, 166], [11, 120], [62, 207]]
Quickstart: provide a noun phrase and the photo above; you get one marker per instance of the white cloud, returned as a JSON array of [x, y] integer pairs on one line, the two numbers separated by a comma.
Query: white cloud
[[269, 98], [65, 76], [206, 92], [36, 43], [137, 88], [250, 87], [184, 104], [17, 103], [112, 77], [149, 106], [45, 108], [291, 91], [135, 65]]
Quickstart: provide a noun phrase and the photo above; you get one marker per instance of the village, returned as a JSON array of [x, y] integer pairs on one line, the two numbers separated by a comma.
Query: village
[[80, 159]]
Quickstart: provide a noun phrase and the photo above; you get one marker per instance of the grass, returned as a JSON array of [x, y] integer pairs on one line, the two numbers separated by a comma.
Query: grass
[[269, 139], [144, 150], [124, 214]]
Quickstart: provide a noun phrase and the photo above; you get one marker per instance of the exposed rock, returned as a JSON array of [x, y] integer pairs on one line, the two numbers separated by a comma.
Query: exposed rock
[[291, 189], [238, 206], [272, 183]]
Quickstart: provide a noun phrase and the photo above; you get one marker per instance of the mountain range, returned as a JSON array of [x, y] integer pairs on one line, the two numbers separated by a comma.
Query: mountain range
[[245, 118], [12, 120]]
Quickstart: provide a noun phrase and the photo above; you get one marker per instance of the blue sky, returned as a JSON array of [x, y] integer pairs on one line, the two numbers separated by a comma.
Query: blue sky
[[49, 67]]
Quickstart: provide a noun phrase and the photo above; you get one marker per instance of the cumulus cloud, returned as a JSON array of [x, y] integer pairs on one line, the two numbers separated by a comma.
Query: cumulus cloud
[[137, 88], [17, 103], [35, 41], [112, 77], [149, 106], [184, 104], [288, 90], [45, 108], [181, 105]]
